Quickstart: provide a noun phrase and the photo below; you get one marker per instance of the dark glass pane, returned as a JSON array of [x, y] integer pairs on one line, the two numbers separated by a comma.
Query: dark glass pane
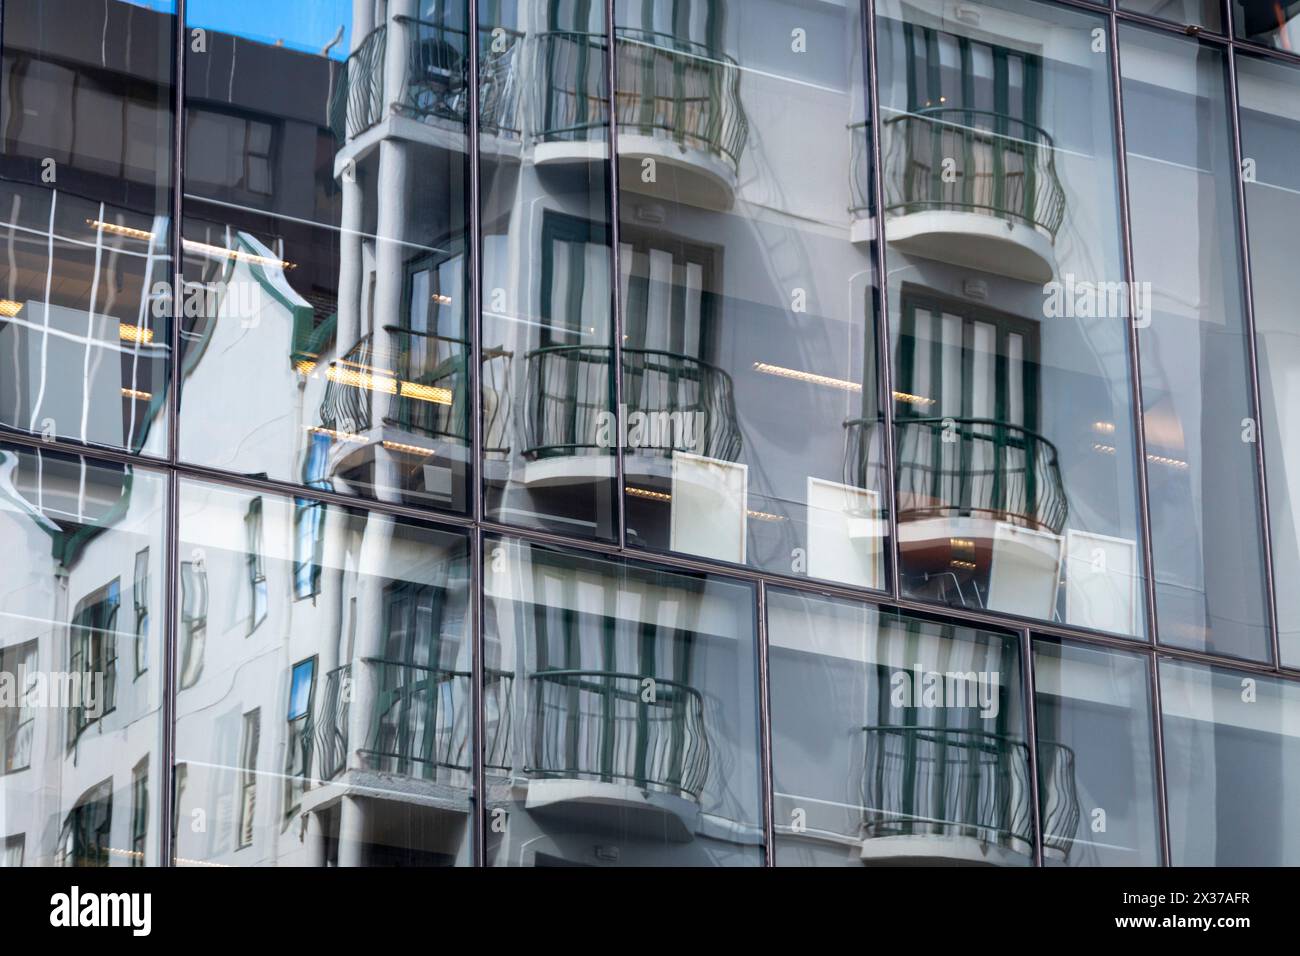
[[1232, 750], [1096, 756], [80, 684], [896, 741], [361, 744], [1013, 444], [751, 425], [1195, 13], [548, 331], [621, 714], [1274, 23], [325, 332], [85, 196], [1200, 424], [1270, 142]]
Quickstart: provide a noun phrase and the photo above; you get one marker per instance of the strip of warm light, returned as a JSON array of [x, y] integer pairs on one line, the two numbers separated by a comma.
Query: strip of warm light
[[964, 565], [912, 399], [426, 393], [441, 299], [663, 496], [1104, 428], [136, 394], [217, 252], [1104, 449], [810, 377], [1170, 462], [134, 333], [305, 367], [353, 377], [111, 227], [9, 308], [337, 435], [411, 449]]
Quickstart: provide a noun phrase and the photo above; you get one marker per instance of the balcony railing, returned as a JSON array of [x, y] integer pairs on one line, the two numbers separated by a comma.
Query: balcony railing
[[431, 399], [687, 404], [332, 727], [949, 467], [935, 781], [618, 728], [666, 86], [436, 79], [350, 383], [965, 160]]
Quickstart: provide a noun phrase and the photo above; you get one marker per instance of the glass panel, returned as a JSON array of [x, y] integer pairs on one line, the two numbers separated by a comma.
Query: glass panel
[[1274, 23], [85, 197], [1096, 756], [325, 331], [1270, 141], [895, 740], [79, 720], [1013, 444], [1201, 474], [621, 714], [1232, 766], [548, 335], [751, 430], [345, 718], [1197, 13]]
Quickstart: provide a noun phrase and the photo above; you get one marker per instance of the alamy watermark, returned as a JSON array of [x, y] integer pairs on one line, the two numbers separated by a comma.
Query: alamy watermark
[[1074, 298], [28, 689], [929, 689], [238, 299], [666, 430]]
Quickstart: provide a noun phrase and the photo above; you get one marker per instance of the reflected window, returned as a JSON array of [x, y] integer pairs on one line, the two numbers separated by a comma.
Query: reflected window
[[92, 656], [1013, 449], [368, 689], [139, 812], [623, 707], [85, 839], [1096, 756], [257, 595], [17, 716], [1231, 750], [140, 602], [895, 740]]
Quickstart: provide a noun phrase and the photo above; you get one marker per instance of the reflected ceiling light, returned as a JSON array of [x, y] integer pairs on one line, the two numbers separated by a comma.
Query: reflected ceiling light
[[111, 227], [663, 496], [411, 449], [9, 308], [1104, 449], [134, 333], [810, 377], [355, 377], [441, 299], [136, 394], [337, 435], [1177, 463], [911, 399], [1104, 428], [305, 367], [220, 252]]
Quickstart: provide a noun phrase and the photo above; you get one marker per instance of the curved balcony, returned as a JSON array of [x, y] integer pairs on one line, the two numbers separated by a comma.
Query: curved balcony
[[934, 794], [678, 103], [671, 403], [436, 85], [973, 188], [613, 746]]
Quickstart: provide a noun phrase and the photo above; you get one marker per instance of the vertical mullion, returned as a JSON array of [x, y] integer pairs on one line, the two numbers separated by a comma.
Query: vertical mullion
[[171, 519], [1138, 418], [1135, 356], [880, 316], [1248, 292], [615, 278], [768, 798], [475, 305], [1158, 725], [1031, 724]]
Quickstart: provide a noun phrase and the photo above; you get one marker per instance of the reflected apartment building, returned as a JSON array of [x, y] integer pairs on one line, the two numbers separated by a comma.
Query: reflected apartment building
[[830, 476]]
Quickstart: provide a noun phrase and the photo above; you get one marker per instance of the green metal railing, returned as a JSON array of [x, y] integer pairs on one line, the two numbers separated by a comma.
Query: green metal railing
[[432, 395], [686, 404], [665, 86], [948, 467], [437, 70], [959, 782], [350, 382], [617, 727], [967, 160]]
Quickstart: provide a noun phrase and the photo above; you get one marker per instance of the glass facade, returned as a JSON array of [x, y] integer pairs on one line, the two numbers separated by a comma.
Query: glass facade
[[648, 432]]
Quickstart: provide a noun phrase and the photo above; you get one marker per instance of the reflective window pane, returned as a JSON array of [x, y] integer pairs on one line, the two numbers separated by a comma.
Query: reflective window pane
[[896, 740], [548, 330], [1013, 444], [1200, 424], [621, 714], [85, 199], [751, 423], [1270, 141], [1096, 756], [80, 661], [1274, 24], [325, 331], [329, 725], [1232, 766]]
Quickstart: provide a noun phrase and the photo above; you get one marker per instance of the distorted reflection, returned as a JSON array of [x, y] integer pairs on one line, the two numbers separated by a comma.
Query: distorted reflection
[[80, 672], [621, 716], [85, 199], [324, 710], [916, 751]]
